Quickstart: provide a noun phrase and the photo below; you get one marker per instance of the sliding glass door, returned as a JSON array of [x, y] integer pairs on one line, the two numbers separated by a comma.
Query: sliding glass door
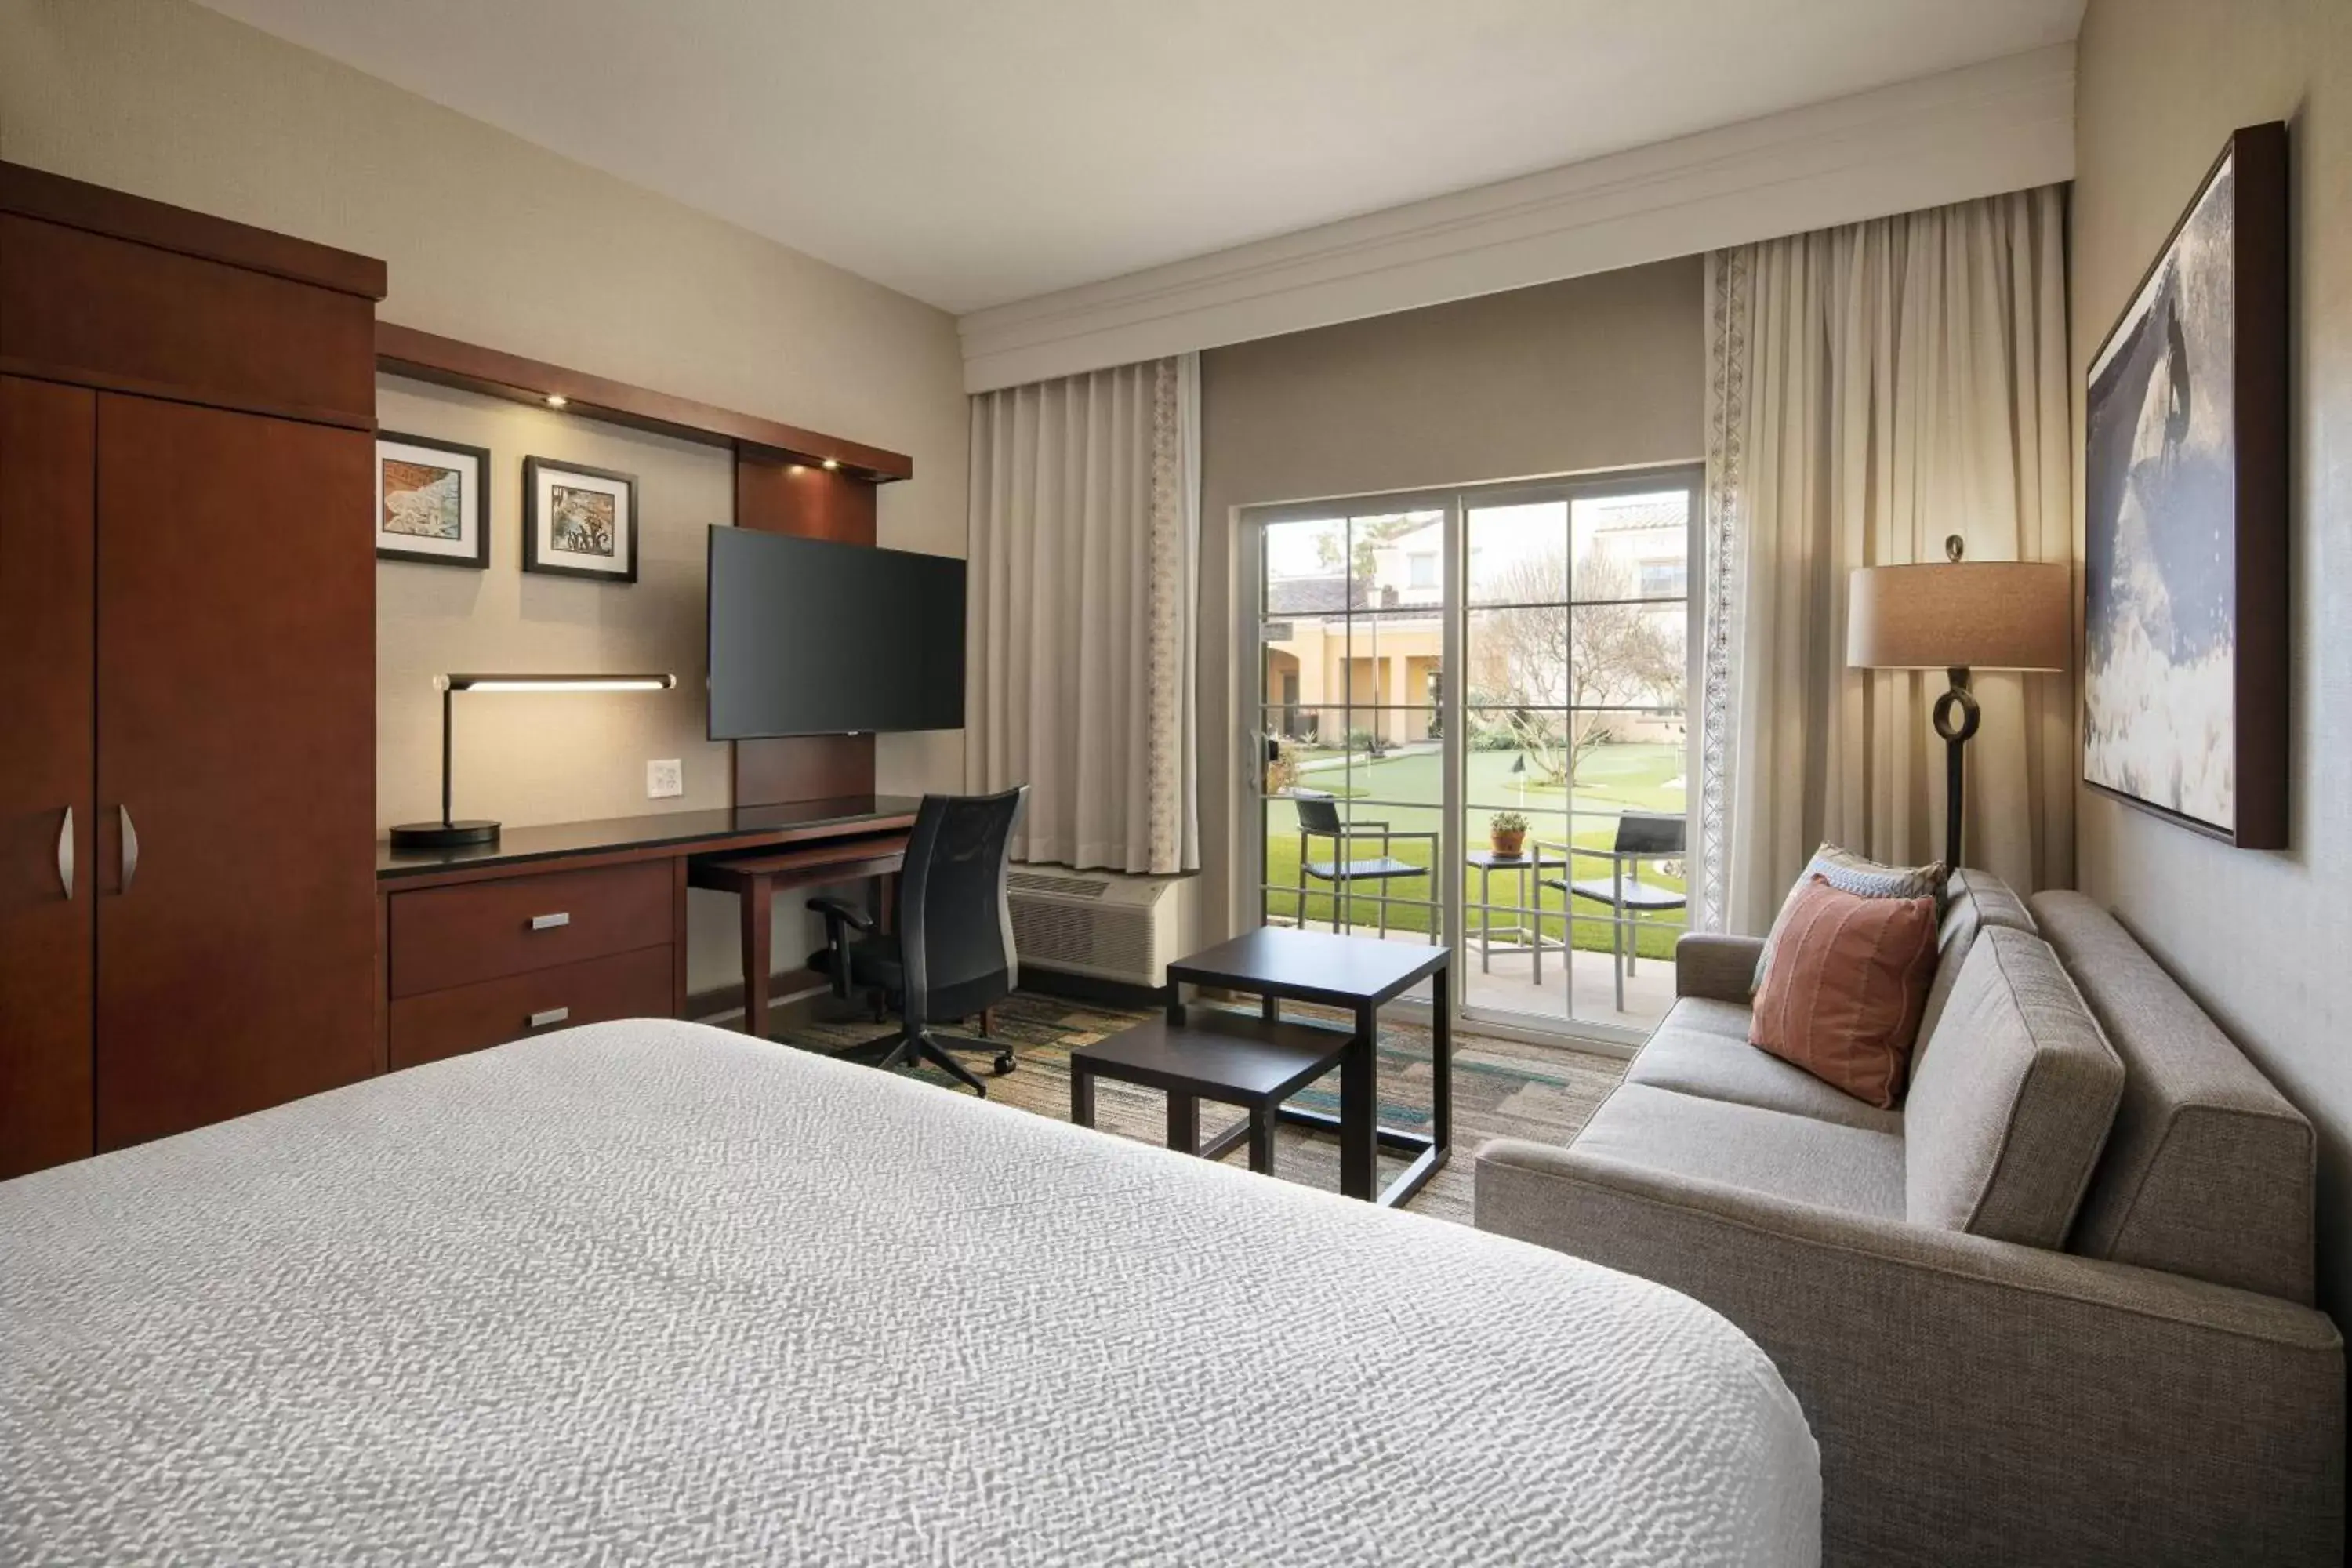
[[1473, 730], [1351, 616]]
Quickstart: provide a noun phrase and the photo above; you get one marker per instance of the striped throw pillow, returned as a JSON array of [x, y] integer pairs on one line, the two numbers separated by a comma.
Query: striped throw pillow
[[1858, 874], [1843, 1000]]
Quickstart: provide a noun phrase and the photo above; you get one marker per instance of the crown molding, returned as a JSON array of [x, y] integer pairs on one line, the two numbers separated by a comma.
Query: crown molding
[[2005, 125]]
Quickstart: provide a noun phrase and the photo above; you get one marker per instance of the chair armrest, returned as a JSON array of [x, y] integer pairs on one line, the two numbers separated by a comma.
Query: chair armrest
[[2082, 1411], [843, 911], [1719, 967]]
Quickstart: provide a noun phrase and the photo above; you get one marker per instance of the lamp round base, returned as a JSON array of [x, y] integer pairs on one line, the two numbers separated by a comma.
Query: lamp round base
[[442, 834]]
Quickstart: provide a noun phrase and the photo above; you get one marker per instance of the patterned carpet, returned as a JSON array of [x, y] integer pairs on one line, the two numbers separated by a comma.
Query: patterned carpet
[[1501, 1087]]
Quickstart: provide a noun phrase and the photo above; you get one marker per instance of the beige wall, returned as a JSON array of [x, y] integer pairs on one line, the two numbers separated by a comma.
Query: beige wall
[[2262, 939], [556, 758], [1600, 371], [493, 239]]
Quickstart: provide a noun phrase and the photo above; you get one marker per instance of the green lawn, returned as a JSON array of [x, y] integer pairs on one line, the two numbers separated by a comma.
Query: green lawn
[[1644, 777]]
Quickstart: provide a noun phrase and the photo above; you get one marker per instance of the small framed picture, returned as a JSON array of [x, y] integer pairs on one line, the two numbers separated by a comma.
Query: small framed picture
[[431, 501], [579, 521]]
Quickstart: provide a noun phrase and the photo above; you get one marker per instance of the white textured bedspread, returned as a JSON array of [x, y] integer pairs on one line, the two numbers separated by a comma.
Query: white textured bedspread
[[653, 1293]]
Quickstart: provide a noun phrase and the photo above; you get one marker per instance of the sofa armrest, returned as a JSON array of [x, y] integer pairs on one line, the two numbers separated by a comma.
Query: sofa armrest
[[1721, 968], [1976, 1401]]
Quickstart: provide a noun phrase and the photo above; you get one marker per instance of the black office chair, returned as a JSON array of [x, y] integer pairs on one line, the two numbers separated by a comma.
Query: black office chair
[[951, 955], [1641, 836]]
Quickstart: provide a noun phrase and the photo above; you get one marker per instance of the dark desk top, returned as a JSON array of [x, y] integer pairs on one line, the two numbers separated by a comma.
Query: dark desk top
[[729, 827], [1311, 966]]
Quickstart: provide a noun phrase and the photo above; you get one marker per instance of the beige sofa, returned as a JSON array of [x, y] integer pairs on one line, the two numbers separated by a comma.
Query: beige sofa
[[2055, 1310]]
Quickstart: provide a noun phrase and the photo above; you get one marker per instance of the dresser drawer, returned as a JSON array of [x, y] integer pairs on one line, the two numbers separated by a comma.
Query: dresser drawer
[[492, 1012], [442, 937]]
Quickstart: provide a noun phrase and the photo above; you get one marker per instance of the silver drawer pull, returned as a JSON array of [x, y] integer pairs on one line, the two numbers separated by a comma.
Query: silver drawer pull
[[549, 922], [552, 1016], [65, 856]]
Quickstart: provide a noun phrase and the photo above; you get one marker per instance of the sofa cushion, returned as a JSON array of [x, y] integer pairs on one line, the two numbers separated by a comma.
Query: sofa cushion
[[1972, 900], [1850, 1169], [2013, 1099], [2210, 1171], [1843, 998], [1858, 874], [1701, 1048]]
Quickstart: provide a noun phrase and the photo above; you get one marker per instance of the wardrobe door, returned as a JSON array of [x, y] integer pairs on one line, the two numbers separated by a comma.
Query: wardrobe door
[[236, 765], [47, 458]]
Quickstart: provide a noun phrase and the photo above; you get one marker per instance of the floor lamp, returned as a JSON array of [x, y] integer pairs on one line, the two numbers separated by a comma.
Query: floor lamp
[[1958, 617]]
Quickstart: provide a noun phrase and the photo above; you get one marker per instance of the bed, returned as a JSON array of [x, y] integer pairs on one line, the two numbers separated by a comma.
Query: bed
[[651, 1293]]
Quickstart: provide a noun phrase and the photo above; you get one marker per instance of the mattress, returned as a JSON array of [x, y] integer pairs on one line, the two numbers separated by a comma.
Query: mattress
[[650, 1292]]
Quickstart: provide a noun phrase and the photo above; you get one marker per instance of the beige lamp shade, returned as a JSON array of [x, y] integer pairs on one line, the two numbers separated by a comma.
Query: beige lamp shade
[[1960, 615]]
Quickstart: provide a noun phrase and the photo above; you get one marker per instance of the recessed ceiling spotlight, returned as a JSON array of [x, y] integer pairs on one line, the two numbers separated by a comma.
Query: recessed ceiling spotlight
[[832, 463], [557, 400]]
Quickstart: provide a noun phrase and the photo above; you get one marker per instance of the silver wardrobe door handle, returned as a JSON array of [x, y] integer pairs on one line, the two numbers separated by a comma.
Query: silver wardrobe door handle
[[130, 848], [549, 922], [66, 855], [552, 1016]]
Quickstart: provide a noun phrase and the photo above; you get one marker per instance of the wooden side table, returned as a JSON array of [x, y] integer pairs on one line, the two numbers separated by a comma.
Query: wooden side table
[[1228, 1057], [1360, 975]]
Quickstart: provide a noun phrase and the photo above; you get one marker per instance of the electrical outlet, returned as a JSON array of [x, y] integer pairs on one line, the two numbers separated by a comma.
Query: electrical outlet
[[665, 779]]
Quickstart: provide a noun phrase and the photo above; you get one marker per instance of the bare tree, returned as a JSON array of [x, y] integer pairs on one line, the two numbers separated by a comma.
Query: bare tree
[[1601, 652]]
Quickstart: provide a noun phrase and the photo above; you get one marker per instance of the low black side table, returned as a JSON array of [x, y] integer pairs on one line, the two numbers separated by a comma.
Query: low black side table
[[1228, 1058], [1360, 975]]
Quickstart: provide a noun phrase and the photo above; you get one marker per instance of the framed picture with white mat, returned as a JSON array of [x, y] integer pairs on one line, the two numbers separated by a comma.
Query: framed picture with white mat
[[579, 521], [431, 501]]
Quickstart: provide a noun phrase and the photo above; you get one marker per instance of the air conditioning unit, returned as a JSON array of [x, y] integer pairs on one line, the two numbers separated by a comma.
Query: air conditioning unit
[[1099, 923]]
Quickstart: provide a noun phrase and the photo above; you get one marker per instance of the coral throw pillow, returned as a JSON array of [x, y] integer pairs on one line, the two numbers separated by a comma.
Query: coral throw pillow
[[1848, 981]]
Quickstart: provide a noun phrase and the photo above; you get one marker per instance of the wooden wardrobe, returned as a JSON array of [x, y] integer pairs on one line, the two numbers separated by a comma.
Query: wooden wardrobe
[[187, 654]]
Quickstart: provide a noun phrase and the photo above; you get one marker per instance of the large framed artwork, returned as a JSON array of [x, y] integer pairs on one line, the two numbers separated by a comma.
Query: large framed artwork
[[431, 501], [579, 521], [2185, 599]]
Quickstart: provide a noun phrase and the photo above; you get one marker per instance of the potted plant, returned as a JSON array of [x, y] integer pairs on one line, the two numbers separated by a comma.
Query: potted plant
[[1507, 832]]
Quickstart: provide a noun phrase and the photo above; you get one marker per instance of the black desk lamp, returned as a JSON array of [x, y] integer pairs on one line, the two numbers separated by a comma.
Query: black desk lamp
[[1963, 615], [450, 832]]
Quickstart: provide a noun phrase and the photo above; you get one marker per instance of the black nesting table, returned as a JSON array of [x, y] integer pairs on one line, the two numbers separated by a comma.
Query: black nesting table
[[1359, 975]]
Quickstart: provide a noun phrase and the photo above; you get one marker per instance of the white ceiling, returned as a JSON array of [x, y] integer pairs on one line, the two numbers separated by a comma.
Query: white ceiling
[[974, 151]]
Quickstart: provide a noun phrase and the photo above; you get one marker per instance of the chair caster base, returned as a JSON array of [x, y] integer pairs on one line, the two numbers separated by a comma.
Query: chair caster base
[[1002, 1065]]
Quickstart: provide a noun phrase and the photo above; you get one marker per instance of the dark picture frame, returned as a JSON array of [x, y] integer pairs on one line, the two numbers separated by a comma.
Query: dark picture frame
[[398, 459], [2185, 464], [555, 511]]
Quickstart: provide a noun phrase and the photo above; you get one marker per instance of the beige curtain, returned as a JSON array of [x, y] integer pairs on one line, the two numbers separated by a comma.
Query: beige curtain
[[1873, 389], [1085, 545]]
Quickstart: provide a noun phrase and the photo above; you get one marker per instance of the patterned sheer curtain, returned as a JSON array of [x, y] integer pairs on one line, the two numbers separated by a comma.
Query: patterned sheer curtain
[[1085, 543], [1872, 389]]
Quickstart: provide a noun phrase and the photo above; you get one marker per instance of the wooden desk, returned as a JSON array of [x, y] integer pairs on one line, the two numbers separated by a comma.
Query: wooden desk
[[755, 878], [577, 923]]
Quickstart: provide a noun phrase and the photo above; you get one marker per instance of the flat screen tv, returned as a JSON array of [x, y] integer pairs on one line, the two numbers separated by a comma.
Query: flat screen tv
[[812, 638]]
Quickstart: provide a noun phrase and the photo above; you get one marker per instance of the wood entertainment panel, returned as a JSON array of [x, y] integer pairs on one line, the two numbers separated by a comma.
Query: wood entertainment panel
[[787, 481], [814, 503]]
